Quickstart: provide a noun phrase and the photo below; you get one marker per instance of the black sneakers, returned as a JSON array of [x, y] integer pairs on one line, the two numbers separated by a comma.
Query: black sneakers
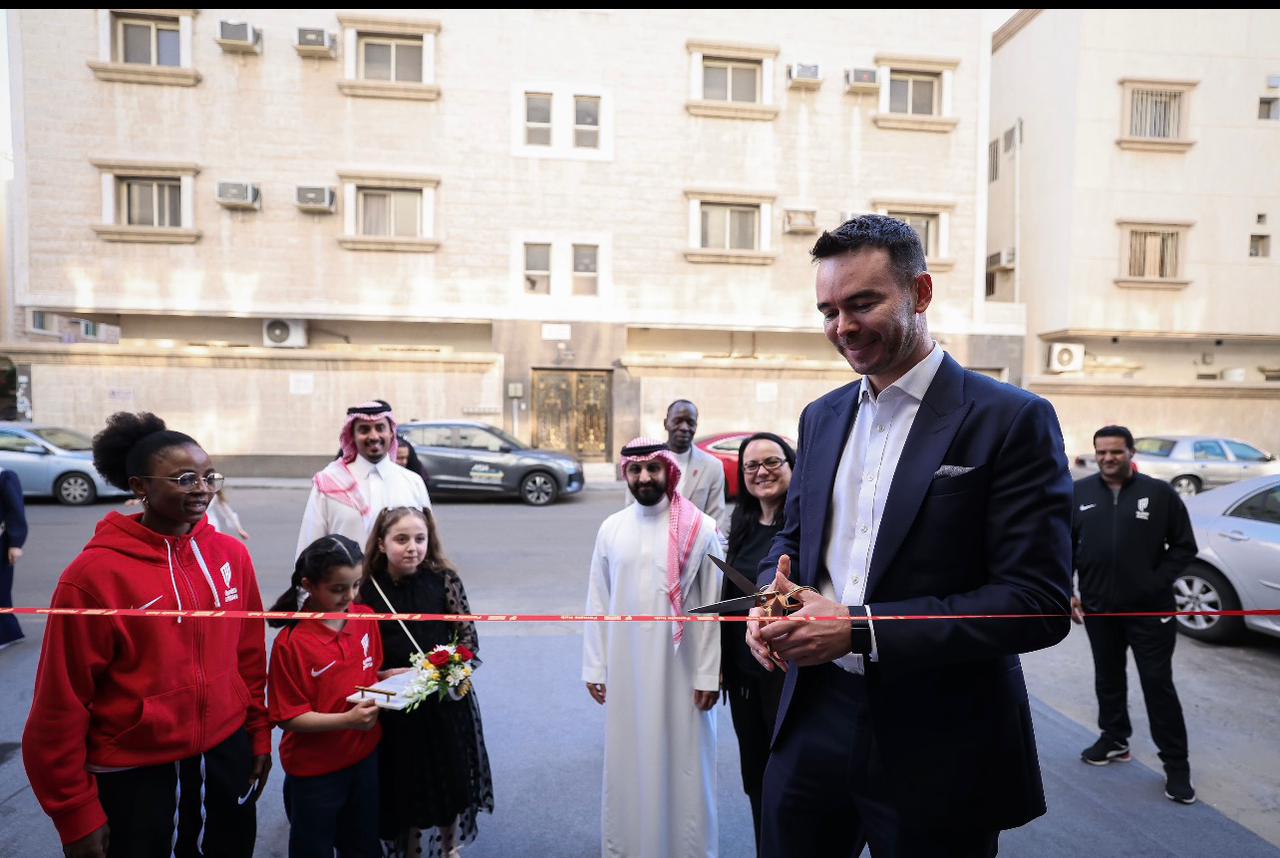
[[1177, 787], [1106, 751]]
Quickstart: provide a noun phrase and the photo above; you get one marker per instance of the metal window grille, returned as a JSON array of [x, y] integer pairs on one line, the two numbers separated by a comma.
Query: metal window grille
[[1156, 113]]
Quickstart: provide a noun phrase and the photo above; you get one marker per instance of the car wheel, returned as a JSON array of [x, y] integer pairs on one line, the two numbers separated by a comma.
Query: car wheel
[[1203, 588], [538, 488], [1185, 485], [75, 489]]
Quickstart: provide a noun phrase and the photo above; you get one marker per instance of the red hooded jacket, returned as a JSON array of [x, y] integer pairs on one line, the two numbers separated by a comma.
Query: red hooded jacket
[[121, 692]]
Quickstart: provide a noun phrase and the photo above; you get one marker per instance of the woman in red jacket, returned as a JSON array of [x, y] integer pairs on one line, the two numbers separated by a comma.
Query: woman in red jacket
[[141, 722]]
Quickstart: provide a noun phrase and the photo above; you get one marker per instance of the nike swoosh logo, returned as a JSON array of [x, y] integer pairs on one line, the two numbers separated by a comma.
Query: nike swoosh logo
[[1084, 507], [315, 672], [1165, 619], [152, 602], [240, 800]]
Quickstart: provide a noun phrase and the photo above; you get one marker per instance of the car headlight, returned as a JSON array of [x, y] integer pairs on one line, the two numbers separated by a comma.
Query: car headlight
[[567, 465]]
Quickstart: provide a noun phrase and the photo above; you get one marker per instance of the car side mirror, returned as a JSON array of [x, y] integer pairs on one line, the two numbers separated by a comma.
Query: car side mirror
[[35, 448], [504, 448], [1271, 457]]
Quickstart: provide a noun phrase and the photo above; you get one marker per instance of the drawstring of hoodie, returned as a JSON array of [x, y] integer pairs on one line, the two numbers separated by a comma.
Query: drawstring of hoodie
[[172, 580], [195, 549]]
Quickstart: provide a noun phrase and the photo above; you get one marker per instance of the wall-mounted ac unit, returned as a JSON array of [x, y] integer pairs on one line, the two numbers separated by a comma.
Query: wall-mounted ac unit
[[800, 221], [318, 199], [316, 42], [284, 333], [1273, 81], [1002, 260], [804, 76], [239, 37], [861, 80], [239, 195], [1065, 357]]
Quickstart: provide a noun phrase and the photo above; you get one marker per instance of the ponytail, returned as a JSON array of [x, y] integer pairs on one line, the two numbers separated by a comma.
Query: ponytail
[[314, 564]]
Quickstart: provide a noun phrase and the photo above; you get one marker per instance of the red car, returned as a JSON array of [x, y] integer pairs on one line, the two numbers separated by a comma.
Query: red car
[[725, 446]]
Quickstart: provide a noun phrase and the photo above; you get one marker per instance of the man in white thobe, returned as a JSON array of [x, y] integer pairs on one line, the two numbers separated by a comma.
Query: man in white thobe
[[349, 492], [661, 679]]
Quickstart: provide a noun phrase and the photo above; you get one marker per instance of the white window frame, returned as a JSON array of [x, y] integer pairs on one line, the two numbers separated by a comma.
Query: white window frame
[[933, 230], [355, 181], [890, 66], [159, 188], [362, 197], [727, 211], [576, 275], [1182, 141], [731, 65], [943, 256], [358, 29], [364, 40], [549, 125], [1179, 279], [109, 63], [561, 304], [578, 128], [537, 272], [762, 201], [114, 225], [934, 79], [564, 95], [702, 52]]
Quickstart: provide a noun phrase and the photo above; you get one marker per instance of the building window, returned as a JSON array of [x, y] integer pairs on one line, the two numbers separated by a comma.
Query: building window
[[1261, 219], [148, 41], [991, 284], [40, 321], [726, 227], [585, 269], [1269, 108], [1155, 113], [925, 226], [537, 269], [730, 80], [390, 212], [915, 93], [586, 121], [993, 161], [1260, 245], [537, 119], [150, 202], [390, 58], [1152, 254]]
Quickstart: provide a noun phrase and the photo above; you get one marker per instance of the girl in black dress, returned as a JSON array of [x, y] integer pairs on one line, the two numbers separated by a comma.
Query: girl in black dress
[[433, 766]]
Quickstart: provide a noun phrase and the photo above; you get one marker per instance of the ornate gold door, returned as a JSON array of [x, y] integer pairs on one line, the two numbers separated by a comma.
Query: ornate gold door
[[571, 412]]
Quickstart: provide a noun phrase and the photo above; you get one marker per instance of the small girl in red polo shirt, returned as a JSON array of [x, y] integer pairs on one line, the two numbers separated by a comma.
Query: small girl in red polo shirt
[[328, 749]]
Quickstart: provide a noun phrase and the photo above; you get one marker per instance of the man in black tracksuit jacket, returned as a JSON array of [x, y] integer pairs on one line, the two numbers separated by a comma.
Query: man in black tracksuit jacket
[[1132, 538]]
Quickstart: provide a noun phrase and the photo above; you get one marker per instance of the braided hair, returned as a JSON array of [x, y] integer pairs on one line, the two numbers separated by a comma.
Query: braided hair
[[315, 564]]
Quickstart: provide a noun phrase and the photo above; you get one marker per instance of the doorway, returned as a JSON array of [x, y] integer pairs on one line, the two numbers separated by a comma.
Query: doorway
[[571, 411]]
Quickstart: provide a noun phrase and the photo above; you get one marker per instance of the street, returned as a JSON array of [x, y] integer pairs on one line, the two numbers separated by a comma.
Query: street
[[544, 734]]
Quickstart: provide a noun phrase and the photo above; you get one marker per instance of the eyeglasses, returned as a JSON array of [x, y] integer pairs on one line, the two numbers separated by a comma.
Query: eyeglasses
[[770, 464], [188, 481]]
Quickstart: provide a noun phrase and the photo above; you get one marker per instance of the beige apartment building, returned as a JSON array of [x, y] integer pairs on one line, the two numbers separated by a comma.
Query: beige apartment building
[[553, 221], [1134, 169]]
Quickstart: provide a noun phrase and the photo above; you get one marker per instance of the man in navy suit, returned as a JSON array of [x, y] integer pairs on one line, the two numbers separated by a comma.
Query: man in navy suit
[[922, 488]]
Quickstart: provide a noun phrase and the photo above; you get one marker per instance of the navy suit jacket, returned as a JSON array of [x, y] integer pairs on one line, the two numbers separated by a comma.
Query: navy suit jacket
[[947, 698]]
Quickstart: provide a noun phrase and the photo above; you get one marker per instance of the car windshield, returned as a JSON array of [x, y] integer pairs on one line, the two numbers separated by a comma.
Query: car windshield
[[1154, 446], [513, 443], [64, 438]]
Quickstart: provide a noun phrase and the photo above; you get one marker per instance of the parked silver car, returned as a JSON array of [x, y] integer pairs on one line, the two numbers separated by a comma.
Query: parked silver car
[[53, 461], [1193, 463], [1238, 531]]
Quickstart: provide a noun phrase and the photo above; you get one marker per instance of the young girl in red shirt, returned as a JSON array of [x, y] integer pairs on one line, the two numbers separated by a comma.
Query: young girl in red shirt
[[329, 745]]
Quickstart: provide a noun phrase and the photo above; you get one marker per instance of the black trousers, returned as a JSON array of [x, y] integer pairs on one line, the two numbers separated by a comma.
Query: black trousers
[[824, 787], [334, 811], [753, 705], [9, 628], [209, 795], [1152, 642]]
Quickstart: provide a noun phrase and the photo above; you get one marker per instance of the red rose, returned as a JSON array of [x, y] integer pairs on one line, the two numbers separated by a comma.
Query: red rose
[[439, 658], [466, 654]]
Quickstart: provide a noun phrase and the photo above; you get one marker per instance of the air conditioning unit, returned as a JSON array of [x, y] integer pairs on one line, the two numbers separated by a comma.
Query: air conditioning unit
[[1273, 81], [239, 37], [800, 221], [861, 80], [1065, 357], [316, 42], [239, 195], [284, 333], [804, 76], [319, 199]]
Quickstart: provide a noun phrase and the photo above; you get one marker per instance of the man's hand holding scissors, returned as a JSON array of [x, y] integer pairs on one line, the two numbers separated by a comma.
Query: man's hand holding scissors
[[774, 642]]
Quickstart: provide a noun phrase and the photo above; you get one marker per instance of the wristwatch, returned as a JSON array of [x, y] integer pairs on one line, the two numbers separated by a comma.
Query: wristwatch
[[860, 629]]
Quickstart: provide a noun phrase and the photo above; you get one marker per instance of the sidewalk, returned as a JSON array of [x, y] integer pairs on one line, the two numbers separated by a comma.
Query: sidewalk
[[600, 476]]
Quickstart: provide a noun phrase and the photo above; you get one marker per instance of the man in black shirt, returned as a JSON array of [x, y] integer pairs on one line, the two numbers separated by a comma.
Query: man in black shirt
[[1132, 538]]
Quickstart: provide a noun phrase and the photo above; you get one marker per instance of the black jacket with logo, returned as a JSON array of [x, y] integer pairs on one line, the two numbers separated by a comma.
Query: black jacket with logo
[[1129, 548]]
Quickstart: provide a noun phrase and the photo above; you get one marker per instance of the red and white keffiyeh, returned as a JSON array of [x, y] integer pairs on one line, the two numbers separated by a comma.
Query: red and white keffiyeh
[[684, 521], [336, 480]]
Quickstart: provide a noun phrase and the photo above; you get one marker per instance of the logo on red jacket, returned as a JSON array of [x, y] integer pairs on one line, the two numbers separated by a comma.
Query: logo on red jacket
[[368, 659], [231, 593]]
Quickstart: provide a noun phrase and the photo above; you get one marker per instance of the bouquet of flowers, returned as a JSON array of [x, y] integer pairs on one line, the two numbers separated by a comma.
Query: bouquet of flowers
[[444, 672]]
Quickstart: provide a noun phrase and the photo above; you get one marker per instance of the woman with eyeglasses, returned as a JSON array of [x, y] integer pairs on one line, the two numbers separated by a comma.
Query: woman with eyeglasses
[[139, 724], [764, 472]]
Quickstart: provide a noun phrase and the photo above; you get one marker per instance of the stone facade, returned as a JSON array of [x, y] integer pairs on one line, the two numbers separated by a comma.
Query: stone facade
[[438, 317]]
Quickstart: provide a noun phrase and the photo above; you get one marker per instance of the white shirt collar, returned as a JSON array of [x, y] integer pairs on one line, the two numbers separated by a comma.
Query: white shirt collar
[[914, 382], [362, 467]]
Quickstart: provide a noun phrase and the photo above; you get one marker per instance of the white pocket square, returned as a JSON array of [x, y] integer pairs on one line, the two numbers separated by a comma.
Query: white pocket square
[[951, 471]]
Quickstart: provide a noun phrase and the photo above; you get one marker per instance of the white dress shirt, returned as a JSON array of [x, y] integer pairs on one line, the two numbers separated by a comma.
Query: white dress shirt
[[863, 480], [383, 485]]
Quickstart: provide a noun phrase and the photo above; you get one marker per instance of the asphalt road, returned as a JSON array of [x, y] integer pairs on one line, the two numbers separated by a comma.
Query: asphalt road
[[544, 734]]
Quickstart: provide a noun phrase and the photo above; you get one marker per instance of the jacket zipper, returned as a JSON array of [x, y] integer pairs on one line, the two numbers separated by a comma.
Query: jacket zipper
[[197, 653]]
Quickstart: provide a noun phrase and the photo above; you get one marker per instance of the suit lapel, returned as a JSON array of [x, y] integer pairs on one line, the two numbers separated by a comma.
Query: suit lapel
[[828, 444], [937, 421]]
